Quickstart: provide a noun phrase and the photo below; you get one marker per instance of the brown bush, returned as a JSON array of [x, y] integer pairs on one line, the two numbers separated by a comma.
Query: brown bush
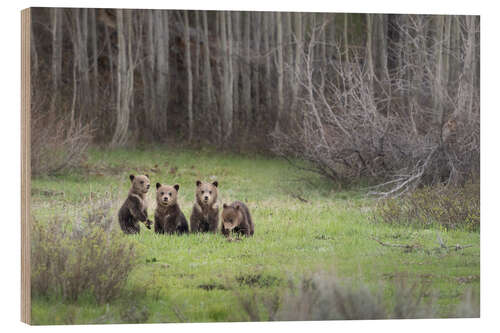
[[70, 259], [399, 130], [325, 297], [57, 144], [452, 207]]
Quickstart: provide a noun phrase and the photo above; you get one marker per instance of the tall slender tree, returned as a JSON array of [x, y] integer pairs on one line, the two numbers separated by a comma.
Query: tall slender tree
[[280, 45], [187, 41], [57, 38]]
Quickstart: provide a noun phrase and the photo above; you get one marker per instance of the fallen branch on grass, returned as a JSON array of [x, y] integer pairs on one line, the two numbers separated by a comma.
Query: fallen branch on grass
[[407, 247], [411, 247], [297, 196], [459, 247], [456, 247]]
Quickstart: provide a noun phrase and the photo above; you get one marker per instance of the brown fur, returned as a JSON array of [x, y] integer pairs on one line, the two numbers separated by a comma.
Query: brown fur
[[168, 215], [236, 218], [134, 209], [205, 214]]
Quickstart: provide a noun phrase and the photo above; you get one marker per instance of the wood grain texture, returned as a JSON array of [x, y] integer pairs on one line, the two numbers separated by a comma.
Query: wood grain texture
[[25, 166]]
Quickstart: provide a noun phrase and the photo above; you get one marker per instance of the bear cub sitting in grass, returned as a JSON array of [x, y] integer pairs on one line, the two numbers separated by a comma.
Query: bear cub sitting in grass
[[236, 218], [168, 215], [134, 209], [205, 214]]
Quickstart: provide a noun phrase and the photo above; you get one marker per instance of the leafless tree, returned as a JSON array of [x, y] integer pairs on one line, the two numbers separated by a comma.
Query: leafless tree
[[391, 97], [345, 133]]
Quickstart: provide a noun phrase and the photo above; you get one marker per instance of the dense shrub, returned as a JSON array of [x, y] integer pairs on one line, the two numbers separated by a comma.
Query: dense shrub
[[402, 127], [87, 256], [325, 297], [452, 207]]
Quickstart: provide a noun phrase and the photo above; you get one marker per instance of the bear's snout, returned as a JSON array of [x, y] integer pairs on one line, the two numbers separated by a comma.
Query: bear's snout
[[147, 186], [206, 197], [165, 199]]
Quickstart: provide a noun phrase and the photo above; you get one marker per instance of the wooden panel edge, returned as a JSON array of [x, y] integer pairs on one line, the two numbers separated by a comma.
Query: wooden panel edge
[[25, 166]]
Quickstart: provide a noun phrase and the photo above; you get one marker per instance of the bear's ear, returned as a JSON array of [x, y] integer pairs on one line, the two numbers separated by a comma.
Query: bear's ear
[[147, 175], [224, 206], [215, 183], [198, 183], [176, 186], [158, 185], [131, 178]]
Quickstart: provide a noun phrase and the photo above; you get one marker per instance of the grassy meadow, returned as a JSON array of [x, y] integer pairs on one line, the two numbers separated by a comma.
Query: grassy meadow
[[303, 224]]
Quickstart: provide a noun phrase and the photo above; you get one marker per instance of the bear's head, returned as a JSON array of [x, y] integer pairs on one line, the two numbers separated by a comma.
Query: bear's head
[[231, 216], [140, 183], [206, 193], [166, 195]]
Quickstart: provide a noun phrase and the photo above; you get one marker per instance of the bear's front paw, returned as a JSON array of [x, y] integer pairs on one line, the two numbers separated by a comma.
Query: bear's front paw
[[148, 224]]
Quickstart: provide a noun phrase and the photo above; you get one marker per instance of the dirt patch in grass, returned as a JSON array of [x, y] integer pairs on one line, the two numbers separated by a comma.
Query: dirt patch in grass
[[258, 280], [323, 237], [46, 193], [211, 286]]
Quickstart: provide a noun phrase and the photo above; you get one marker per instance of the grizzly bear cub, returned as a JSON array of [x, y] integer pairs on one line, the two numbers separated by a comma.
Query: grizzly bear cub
[[205, 214], [168, 215], [134, 209], [236, 218]]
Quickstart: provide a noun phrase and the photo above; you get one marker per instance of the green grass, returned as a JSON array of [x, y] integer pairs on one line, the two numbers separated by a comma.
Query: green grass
[[194, 277]]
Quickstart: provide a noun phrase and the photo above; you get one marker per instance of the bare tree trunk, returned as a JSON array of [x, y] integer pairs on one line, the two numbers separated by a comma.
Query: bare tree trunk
[[346, 42], [161, 54], [323, 39], [227, 102], [75, 91], [187, 41], [289, 52], [256, 84], [331, 37], [446, 57], [247, 86], [125, 77], [280, 69], [197, 97], [148, 78], [466, 86], [83, 65], [236, 60], [333, 54], [455, 69], [112, 75], [76, 65], [310, 88], [298, 57], [376, 56], [93, 43], [381, 46], [369, 49], [438, 80], [207, 69], [57, 35], [267, 52], [231, 73]]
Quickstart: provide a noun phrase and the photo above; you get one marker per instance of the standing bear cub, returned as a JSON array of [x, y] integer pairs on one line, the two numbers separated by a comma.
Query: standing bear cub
[[134, 209], [205, 214], [236, 218], [168, 215]]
